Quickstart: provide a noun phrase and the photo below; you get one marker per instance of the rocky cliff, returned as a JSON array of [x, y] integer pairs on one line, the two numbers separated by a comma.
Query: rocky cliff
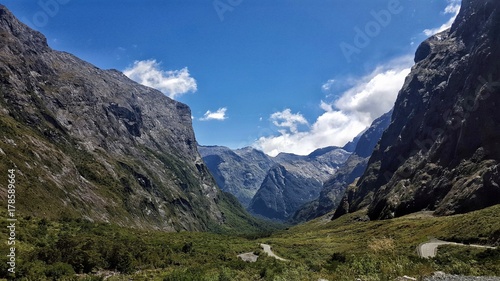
[[91, 143], [239, 172], [294, 181], [272, 187], [442, 149]]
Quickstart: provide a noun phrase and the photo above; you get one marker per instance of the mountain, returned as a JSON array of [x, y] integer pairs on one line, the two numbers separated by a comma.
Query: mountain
[[351, 146], [91, 143], [442, 149], [239, 172], [334, 188], [294, 181], [272, 187]]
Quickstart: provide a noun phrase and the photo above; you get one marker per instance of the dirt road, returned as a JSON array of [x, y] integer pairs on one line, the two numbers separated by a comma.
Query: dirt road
[[267, 249], [429, 249]]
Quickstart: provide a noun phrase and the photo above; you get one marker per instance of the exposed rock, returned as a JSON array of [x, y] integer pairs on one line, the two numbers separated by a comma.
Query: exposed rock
[[282, 193], [272, 187], [239, 172], [442, 149], [295, 181], [94, 144], [248, 257], [441, 276], [334, 188]]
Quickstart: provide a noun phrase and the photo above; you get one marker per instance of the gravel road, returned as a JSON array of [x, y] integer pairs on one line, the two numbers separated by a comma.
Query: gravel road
[[429, 249], [267, 249]]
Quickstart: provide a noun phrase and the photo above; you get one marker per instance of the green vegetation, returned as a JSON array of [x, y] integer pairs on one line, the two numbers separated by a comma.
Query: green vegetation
[[344, 249], [238, 222], [469, 260]]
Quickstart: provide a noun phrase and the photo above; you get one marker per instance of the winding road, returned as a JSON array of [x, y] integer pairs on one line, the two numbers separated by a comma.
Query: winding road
[[251, 257], [429, 249], [267, 249]]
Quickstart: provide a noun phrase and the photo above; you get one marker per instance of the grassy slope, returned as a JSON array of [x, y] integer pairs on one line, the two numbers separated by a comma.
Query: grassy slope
[[378, 250], [340, 250]]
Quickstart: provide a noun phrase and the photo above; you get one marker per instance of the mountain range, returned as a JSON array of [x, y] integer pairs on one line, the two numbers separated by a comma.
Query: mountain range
[[334, 188], [239, 172], [294, 181], [432, 154], [107, 171], [272, 187], [290, 187]]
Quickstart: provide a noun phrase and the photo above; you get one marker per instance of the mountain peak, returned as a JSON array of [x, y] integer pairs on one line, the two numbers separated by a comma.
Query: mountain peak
[[9, 24]]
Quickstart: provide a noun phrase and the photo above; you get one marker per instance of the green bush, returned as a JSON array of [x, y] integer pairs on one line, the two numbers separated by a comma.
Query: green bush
[[59, 270], [185, 275]]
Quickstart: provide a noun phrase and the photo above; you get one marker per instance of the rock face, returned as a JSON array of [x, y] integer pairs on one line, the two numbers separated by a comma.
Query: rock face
[[239, 172], [335, 187], [442, 149], [294, 181], [272, 187], [92, 143]]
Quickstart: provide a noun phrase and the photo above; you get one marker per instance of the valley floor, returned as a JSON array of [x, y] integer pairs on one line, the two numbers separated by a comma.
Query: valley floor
[[345, 249]]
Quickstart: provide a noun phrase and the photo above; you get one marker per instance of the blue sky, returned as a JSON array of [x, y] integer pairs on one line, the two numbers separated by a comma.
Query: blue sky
[[282, 76]]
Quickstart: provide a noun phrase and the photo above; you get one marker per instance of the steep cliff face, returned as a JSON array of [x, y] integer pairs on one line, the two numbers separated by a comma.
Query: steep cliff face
[[334, 188], [239, 172], [281, 193], [92, 143], [442, 149], [295, 181]]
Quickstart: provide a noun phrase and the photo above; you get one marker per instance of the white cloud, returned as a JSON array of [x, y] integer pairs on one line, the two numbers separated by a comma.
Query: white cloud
[[172, 83], [328, 85], [342, 119], [219, 115], [326, 106], [286, 119], [452, 8]]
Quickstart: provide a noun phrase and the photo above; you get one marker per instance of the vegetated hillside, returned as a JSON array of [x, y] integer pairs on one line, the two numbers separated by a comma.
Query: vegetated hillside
[[334, 188], [239, 172], [442, 149], [344, 249], [93, 144], [352, 247], [294, 181]]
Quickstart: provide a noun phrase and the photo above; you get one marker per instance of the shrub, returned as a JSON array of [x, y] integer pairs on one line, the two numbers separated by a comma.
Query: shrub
[[59, 270]]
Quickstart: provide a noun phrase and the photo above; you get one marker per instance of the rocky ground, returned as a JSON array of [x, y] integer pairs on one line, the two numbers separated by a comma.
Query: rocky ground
[[440, 276]]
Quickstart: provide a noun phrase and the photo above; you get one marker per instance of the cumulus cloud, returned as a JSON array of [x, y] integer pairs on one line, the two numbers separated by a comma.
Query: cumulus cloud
[[453, 8], [287, 119], [172, 83], [219, 115], [344, 118]]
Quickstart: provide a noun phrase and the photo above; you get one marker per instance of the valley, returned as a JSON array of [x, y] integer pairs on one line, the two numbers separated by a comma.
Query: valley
[[343, 249], [112, 184]]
